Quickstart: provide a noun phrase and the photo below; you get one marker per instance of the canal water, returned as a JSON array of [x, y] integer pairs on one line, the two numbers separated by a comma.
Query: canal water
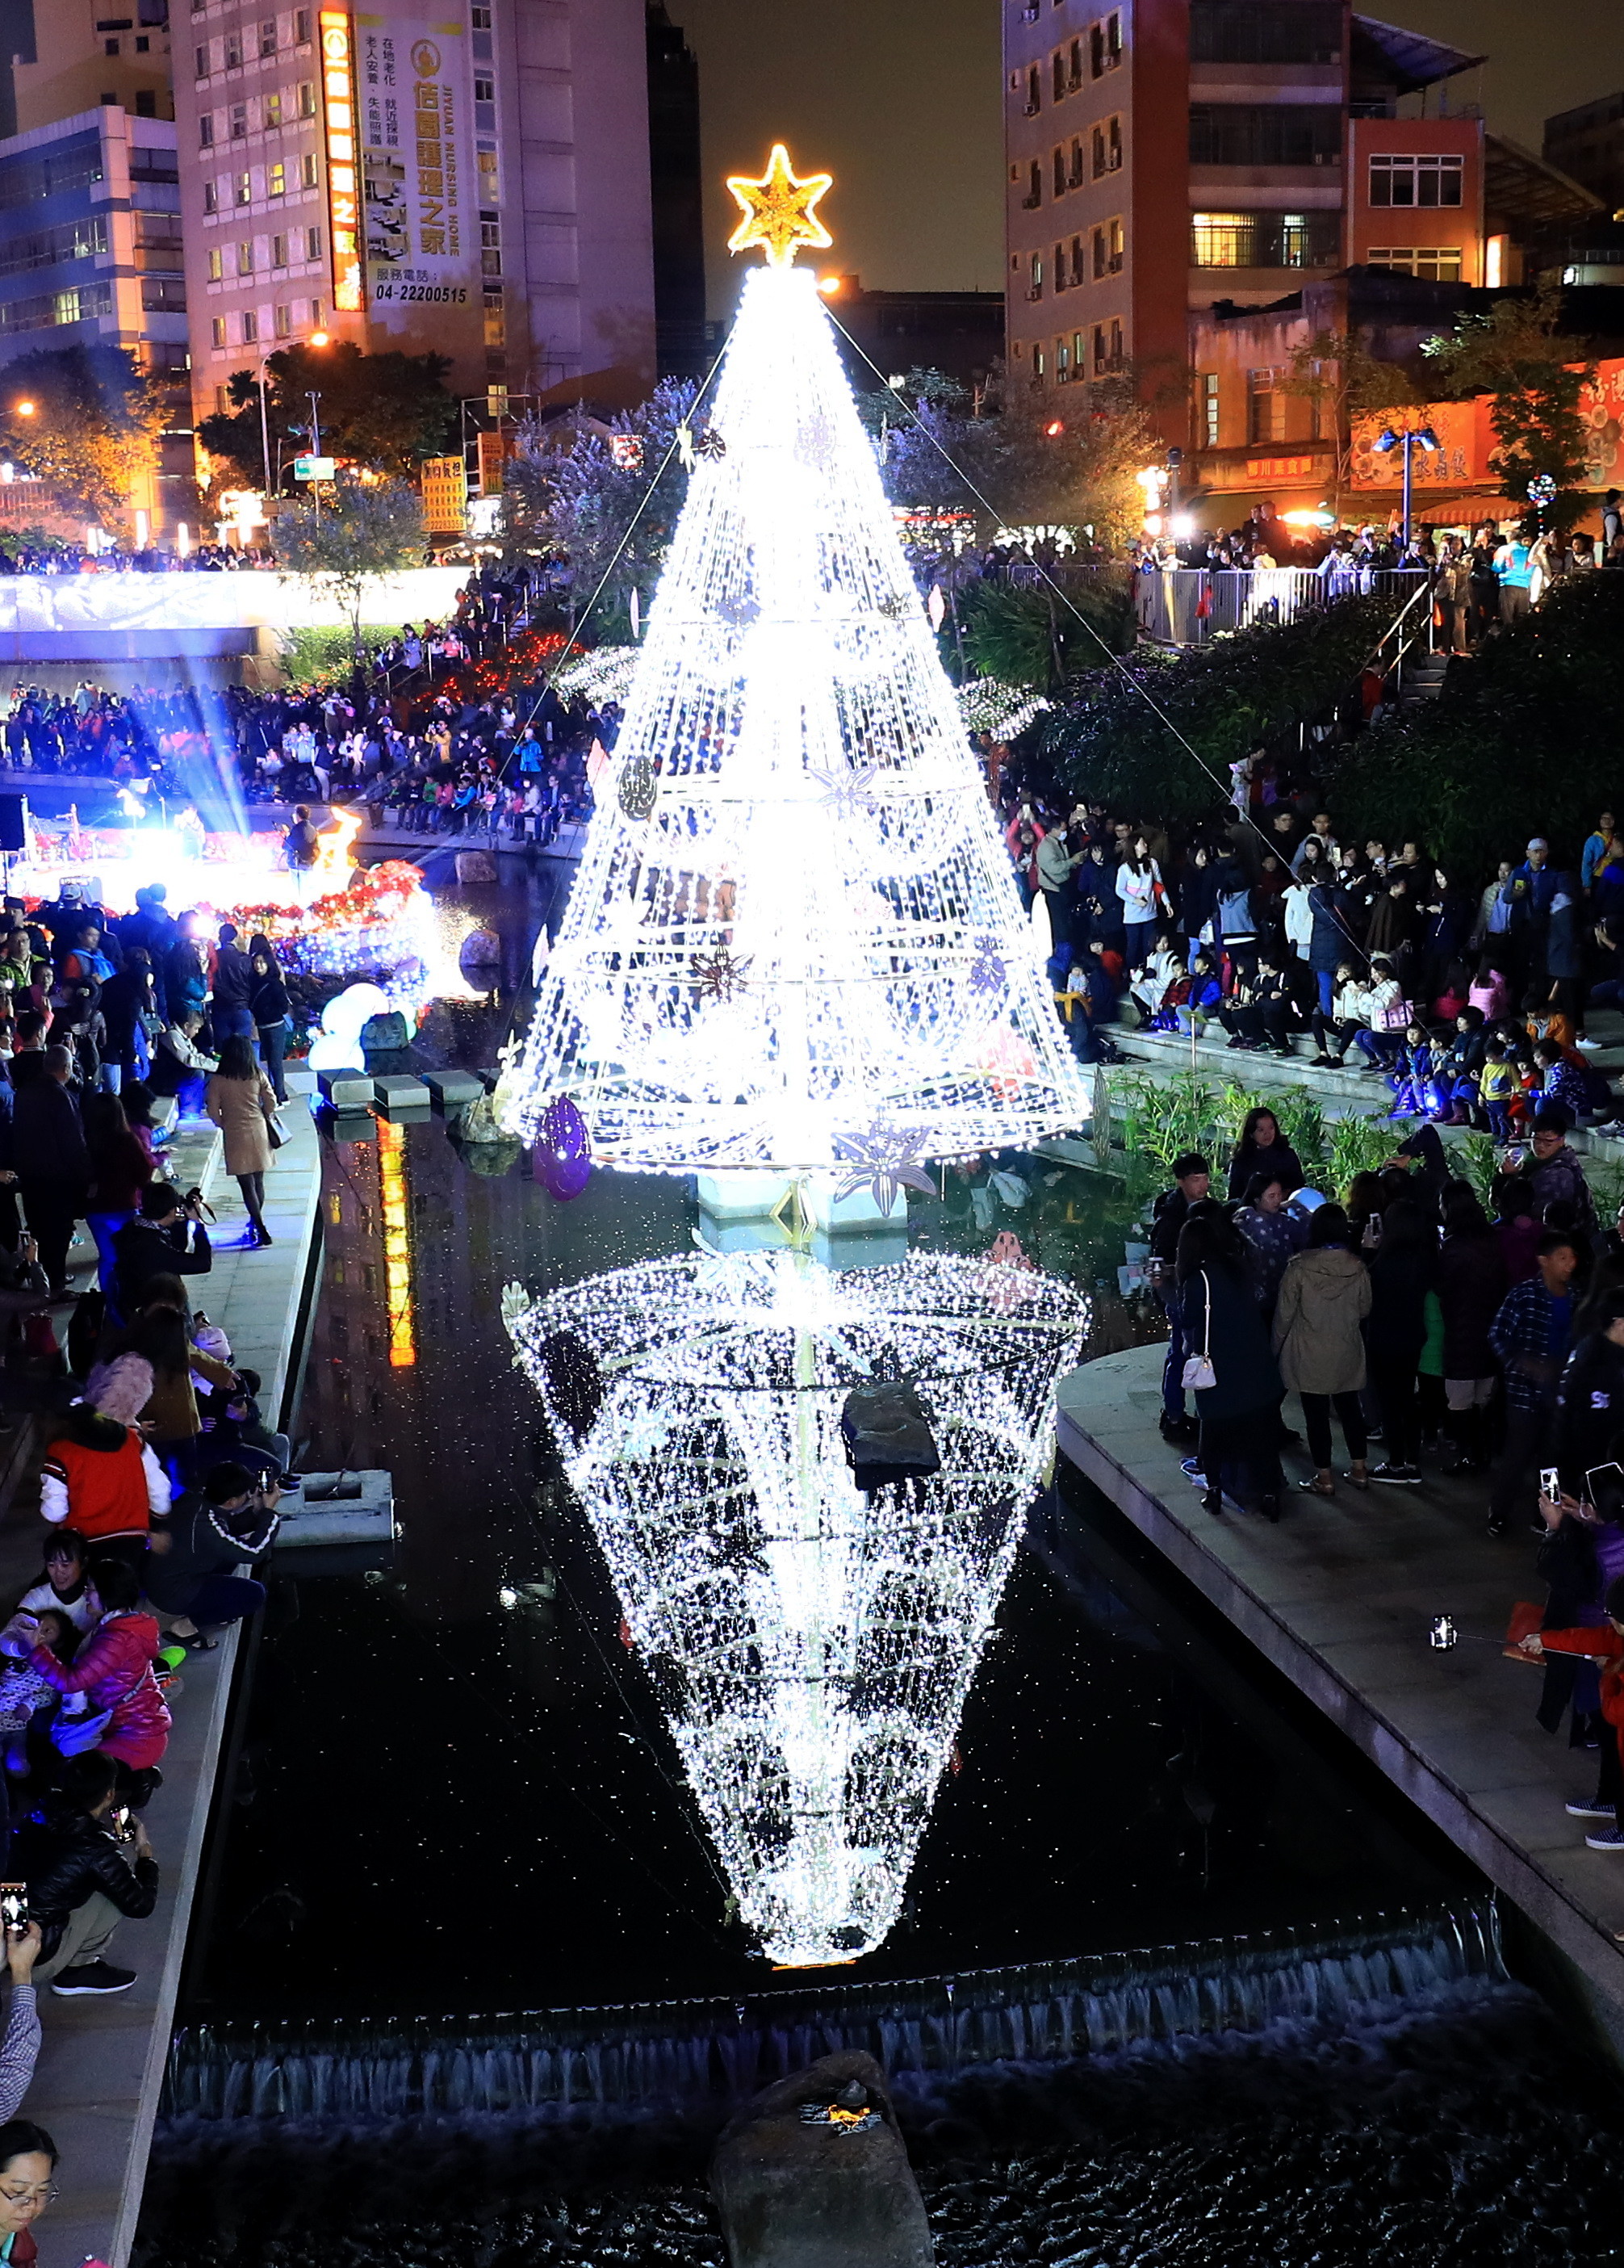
[[454, 1794]]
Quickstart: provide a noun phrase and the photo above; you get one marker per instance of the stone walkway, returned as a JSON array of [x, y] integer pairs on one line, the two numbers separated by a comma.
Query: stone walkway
[[101, 2069], [1339, 1596]]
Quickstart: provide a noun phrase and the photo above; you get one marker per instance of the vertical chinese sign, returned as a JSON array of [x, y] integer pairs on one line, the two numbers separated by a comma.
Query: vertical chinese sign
[[421, 234], [338, 111]]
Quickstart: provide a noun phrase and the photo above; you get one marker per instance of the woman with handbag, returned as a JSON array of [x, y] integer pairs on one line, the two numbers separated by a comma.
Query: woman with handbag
[[1325, 1296], [240, 1101], [267, 1003], [1231, 1369]]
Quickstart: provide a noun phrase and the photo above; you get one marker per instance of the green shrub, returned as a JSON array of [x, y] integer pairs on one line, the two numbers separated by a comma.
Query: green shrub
[[1105, 740], [316, 656], [1522, 740]]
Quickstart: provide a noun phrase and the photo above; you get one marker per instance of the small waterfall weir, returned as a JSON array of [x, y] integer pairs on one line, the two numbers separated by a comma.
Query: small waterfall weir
[[696, 2053]]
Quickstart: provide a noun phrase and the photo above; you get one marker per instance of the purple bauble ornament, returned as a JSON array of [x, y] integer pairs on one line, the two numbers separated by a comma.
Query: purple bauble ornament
[[562, 1155]]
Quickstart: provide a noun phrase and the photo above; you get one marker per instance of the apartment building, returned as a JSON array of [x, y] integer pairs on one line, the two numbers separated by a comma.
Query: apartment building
[[1166, 155], [474, 184], [1588, 145]]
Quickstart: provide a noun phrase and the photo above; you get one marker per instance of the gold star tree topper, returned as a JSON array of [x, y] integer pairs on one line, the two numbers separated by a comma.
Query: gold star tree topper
[[780, 211]]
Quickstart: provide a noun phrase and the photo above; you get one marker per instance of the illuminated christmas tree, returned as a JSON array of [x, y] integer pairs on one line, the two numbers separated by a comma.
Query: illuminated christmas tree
[[812, 1646], [795, 940]]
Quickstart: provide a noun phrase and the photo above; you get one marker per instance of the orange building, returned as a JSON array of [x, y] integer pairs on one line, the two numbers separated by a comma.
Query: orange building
[[1165, 155]]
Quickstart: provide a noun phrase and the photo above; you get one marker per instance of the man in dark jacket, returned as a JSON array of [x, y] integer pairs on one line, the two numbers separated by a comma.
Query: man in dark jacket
[[197, 1547], [80, 1882], [233, 985], [166, 1238], [51, 1161], [1192, 1180]]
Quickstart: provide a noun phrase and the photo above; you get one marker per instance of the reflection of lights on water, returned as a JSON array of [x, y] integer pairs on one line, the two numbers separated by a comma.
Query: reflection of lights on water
[[812, 1648], [509, 1598], [397, 1245]]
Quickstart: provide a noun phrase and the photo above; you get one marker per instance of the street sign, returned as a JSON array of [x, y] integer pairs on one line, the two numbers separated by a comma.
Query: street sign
[[315, 468]]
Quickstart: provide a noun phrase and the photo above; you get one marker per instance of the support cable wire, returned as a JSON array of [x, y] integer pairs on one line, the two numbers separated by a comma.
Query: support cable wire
[[1115, 660]]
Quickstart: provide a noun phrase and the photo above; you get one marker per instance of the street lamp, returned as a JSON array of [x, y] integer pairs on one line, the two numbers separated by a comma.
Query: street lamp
[[26, 409], [1386, 443]]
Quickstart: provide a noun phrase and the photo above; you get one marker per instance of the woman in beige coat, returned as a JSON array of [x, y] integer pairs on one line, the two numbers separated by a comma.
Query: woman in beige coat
[[240, 1100], [1325, 1295]]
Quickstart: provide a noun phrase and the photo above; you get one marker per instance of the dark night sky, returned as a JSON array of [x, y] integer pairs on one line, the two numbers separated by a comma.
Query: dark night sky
[[900, 100]]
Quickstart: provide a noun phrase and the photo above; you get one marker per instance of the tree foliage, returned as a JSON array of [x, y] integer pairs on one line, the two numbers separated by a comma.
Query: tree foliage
[[94, 425], [1225, 699], [569, 489], [1032, 637], [1338, 373], [1518, 742], [1517, 353], [945, 450], [385, 411], [360, 532]]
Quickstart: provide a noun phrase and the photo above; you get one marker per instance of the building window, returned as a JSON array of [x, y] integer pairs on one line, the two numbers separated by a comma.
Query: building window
[[484, 89], [1079, 364], [1108, 249], [202, 70], [245, 259], [211, 196], [1265, 240], [1040, 361], [1079, 271], [267, 36], [279, 252], [1108, 148], [487, 168], [1265, 32], [243, 190], [1034, 92], [1058, 72], [1264, 134], [312, 244], [308, 98], [479, 18], [1265, 407], [1438, 263], [1059, 173], [1206, 408], [1059, 267], [205, 131], [284, 322], [308, 175], [233, 51], [146, 102], [217, 331], [273, 107], [1075, 173], [1105, 44], [240, 121], [496, 324], [250, 328], [1074, 74], [1062, 361], [222, 403], [1034, 289], [276, 180], [301, 27], [216, 265], [1108, 346], [1416, 181], [1033, 197]]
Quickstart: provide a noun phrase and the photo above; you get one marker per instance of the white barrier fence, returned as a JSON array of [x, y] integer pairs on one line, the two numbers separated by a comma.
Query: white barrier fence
[[1185, 606]]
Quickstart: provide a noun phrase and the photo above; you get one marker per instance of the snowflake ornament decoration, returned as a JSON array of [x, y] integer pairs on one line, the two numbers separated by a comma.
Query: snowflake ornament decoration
[[718, 974], [886, 1160]]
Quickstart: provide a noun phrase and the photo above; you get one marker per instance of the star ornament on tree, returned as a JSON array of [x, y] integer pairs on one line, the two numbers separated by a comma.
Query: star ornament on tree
[[884, 1160], [717, 976], [780, 212]]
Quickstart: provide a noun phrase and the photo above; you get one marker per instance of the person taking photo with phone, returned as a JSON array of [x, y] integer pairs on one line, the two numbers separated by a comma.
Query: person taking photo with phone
[[88, 1865]]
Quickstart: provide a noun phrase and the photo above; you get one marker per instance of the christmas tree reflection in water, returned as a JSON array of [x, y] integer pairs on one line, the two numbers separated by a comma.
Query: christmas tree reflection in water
[[812, 1648]]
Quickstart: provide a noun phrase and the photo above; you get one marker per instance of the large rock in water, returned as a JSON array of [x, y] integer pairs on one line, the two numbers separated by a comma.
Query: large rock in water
[[791, 2193]]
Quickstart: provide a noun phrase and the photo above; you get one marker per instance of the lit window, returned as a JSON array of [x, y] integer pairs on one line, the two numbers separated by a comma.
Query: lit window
[[273, 108], [217, 266], [276, 180], [243, 190], [1034, 289], [218, 330], [1265, 407], [284, 322], [245, 259], [1207, 391], [1435, 263], [1416, 181]]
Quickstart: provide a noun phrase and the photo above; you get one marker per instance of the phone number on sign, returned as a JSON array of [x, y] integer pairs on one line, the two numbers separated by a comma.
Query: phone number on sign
[[456, 293]]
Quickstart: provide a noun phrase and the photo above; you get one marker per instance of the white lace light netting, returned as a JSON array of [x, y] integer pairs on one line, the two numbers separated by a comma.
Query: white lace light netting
[[812, 1652], [795, 922]]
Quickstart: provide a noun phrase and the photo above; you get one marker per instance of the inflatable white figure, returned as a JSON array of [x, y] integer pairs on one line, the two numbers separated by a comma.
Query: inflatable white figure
[[339, 1047]]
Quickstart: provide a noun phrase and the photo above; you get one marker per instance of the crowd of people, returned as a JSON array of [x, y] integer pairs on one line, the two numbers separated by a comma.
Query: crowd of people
[[1487, 1341], [1489, 574], [1466, 996]]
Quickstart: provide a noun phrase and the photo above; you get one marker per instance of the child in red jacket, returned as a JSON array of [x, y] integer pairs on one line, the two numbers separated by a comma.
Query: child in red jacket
[[1606, 1645]]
